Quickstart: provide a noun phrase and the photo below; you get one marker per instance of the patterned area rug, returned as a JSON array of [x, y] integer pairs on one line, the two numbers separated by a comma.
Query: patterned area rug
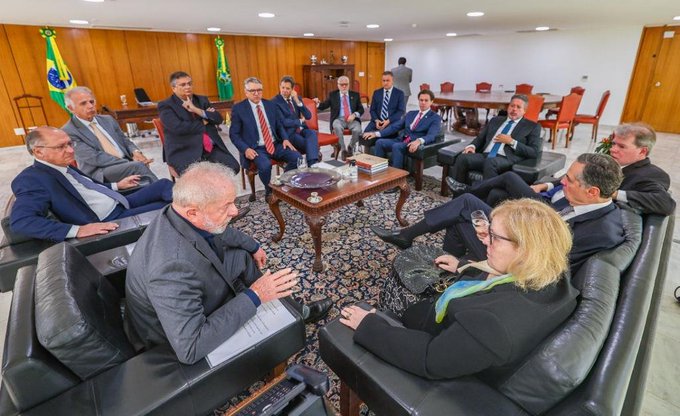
[[356, 262]]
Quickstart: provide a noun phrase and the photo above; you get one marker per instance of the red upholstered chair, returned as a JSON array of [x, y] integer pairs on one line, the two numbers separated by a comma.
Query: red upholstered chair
[[298, 88], [593, 119], [424, 86], [325, 139], [525, 89], [484, 87], [574, 90], [534, 108], [161, 134], [564, 120], [356, 86], [445, 110]]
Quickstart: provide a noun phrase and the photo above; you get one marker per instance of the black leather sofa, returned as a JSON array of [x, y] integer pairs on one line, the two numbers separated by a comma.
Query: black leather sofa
[[546, 164], [35, 382], [594, 364]]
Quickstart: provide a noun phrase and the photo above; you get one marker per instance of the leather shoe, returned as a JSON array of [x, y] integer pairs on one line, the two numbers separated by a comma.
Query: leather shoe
[[318, 310], [242, 212], [392, 237], [456, 187]]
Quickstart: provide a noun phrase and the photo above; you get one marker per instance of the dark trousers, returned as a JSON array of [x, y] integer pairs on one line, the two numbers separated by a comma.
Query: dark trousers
[[264, 164], [509, 185], [307, 143], [454, 217], [150, 198], [219, 155], [490, 168]]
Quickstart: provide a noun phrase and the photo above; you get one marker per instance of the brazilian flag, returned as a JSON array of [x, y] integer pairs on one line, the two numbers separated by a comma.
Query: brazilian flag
[[224, 88], [59, 78]]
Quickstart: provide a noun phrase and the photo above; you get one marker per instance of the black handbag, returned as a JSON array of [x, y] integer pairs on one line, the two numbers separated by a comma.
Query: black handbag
[[416, 270]]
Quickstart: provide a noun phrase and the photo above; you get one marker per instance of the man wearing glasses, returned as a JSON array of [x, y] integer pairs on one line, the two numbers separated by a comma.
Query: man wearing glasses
[[82, 206], [190, 125], [346, 111], [258, 132]]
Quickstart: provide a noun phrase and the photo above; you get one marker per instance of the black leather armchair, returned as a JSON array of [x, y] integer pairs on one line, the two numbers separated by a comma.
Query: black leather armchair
[[35, 382], [546, 164], [594, 364]]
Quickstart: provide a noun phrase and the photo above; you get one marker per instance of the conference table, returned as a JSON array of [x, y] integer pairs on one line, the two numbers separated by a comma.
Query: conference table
[[467, 122]]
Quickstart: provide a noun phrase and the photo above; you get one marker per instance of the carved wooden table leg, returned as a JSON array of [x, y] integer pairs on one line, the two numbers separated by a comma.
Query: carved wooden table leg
[[360, 203], [274, 207], [404, 192], [315, 223]]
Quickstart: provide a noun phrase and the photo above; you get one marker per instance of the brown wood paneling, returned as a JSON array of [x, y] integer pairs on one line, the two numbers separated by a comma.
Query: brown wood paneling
[[10, 86], [662, 106], [650, 43]]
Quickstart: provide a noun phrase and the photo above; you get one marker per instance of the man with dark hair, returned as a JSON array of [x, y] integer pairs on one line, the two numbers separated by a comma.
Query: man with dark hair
[[294, 115], [403, 76], [190, 125], [502, 142], [82, 206], [417, 128], [583, 200], [387, 105], [103, 151]]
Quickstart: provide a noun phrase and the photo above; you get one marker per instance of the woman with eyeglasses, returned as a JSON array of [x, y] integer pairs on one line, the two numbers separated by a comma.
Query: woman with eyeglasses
[[491, 322]]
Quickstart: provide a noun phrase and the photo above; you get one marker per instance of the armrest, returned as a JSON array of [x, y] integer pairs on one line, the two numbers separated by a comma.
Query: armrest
[[432, 148], [447, 155]]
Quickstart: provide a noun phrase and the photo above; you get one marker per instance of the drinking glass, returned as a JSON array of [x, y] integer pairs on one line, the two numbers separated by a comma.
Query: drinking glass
[[481, 224], [302, 163]]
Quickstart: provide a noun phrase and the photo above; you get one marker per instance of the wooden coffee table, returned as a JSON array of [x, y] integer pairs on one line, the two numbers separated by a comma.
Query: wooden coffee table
[[334, 197]]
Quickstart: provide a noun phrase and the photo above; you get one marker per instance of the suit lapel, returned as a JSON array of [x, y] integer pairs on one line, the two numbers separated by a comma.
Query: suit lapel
[[592, 214], [86, 133], [62, 181]]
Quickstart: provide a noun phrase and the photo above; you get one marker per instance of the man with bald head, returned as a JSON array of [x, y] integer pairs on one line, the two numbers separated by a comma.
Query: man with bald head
[[192, 280], [82, 206]]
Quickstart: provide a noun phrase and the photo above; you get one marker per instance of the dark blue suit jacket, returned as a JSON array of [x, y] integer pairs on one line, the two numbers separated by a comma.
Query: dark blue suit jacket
[[243, 131], [395, 108], [428, 128], [291, 120], [39, 189], [593, 232]]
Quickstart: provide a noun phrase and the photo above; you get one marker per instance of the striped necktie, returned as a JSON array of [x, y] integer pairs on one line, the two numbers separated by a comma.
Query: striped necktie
[[386, 101], [266, 134], [497, 146], [89, 184]]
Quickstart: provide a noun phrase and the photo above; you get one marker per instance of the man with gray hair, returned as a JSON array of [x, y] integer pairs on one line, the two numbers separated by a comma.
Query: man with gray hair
[[102, 152], [346, 111], [193, 281]]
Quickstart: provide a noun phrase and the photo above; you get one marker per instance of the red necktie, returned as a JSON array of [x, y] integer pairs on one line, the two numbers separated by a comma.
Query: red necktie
[[292, 109], [266, 134], [345, 106], [413, 126]]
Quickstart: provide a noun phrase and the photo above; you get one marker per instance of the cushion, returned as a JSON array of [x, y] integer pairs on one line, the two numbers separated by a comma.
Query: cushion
[[77, 313], [561, 362], [622, 255]]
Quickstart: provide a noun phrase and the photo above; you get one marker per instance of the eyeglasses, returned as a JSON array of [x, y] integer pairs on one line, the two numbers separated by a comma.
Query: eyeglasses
[[255, 91], [185, 84], [493, 235], [343, 84], [61, 147]]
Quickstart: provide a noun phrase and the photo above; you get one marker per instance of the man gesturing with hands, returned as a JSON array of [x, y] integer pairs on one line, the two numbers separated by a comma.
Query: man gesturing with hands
[[192, 280]]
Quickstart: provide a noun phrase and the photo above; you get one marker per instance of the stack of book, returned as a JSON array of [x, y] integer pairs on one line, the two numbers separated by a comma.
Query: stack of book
[[369, 163]]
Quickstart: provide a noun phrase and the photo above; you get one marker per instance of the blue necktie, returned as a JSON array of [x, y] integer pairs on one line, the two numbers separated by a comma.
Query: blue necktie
[[89, 184], [497, 146], [386, 100]]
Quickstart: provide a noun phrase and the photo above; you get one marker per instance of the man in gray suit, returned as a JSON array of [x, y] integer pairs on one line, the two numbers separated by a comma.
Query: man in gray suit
[[102, 152], [403, 76], [193, 281]]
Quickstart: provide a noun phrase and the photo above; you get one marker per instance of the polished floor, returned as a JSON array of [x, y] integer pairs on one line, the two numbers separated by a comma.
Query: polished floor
[[663, 384]]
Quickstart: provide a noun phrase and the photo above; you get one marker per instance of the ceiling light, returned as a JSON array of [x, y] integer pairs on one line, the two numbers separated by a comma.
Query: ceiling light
[[388, 39], [79, 22], [266, 15], [475, 14], [213, 29], [542, 28], [452, 34], [373, 26], [308, 34], [676, 18]]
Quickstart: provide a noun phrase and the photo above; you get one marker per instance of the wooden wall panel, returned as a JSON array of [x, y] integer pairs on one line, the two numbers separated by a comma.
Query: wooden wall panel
[[113, 63], [645, 64]]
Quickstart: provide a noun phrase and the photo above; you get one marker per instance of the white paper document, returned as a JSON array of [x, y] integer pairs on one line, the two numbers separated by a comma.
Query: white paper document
[[271, 317]]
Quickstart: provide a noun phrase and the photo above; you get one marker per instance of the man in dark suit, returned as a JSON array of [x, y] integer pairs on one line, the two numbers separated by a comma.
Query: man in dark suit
[[190, 126], [403, 76], [346, 111], [417, 128], [83, 207], [502, 142], [387, 105], [102, 152], [294, 115], [258, 132], [584, 201], [199, 299]]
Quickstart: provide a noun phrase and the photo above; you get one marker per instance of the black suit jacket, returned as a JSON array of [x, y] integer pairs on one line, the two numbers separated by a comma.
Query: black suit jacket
[[646, 187], [184, 131], [490, 329], [333, 101], [593, 232], [527, 133]]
